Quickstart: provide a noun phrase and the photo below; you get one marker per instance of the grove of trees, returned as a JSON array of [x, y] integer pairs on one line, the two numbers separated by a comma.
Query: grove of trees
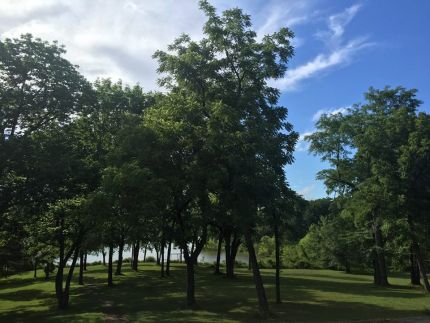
[[103, 166]]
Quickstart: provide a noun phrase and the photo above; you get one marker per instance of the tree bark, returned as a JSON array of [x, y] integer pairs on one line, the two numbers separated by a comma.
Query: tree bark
[[277, 261], [421, 266], [261, 293], [63, 295], [85, 260], [60, 274], [380, 257], [47, 270], [104, 256], [231, 248], [169, 250], [218, 254], [81, 268], [414, 269], [120, 252], [59, 284], [162, 259], [136, 249], [69, 279], [110, 265], [157, 252], [347, 266], [376, 274], [191, 299]]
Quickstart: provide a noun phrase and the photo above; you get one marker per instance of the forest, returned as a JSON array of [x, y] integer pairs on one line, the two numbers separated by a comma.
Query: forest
[[104, 168]]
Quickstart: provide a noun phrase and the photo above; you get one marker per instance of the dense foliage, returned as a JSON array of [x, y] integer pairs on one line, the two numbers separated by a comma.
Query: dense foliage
[[99, 167]]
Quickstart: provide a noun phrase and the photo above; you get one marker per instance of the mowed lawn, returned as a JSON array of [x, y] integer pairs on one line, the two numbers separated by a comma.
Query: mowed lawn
[[308, 295]]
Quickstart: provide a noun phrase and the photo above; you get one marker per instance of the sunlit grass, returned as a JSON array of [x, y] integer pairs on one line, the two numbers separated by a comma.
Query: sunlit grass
[[308, 295]]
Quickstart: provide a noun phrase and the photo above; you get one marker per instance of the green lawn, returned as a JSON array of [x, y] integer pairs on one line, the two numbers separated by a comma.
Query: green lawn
[[309, 295]]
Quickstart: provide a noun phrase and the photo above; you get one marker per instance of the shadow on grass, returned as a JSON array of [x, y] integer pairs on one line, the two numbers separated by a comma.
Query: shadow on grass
[[25, 294], [144, 296]]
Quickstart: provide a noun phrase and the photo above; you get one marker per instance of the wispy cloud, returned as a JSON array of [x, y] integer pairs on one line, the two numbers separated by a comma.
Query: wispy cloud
[[339, 53], [319, 113], [337, 24], [276, 14]]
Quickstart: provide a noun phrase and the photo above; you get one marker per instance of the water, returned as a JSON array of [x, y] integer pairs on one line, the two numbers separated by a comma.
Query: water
[[206, 256]]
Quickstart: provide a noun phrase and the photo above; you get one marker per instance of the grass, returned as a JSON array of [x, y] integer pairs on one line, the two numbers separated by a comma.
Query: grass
[[308, 295]]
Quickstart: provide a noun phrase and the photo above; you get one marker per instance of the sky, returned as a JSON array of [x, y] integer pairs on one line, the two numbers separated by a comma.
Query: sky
[[341, 49]]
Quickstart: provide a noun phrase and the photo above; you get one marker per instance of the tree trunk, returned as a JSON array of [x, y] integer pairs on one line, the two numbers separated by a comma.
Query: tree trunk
[[278, 262], [376, 274], [110, 265], [157, 252], [47, 270], [144, 254], [119, 263], [162, 259], [414, 269], [81, 268], [347, 266], [380, 257], [85, 260], [35, 269], [261, 293], [169, 250], [69, 279], [421, 266], [59, 283], [135, 262], [249, 262], [191, 299], [218, 254], [63, 295], [104, 256], [231, 248]]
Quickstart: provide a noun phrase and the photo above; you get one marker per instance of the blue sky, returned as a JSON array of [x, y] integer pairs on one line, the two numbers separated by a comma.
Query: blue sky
[[342, 48], [397, 54]]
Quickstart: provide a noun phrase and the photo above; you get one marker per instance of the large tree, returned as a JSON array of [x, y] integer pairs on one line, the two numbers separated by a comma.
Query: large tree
[[246, 135], [364, 148]]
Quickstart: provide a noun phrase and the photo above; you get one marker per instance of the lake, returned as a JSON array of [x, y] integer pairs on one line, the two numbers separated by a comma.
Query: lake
[[207, 256]]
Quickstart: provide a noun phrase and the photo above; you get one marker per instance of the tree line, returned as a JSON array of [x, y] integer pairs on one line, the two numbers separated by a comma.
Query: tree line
[[101, 166]]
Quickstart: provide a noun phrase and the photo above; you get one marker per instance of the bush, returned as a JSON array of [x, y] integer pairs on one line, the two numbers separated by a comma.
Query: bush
[[150, 259]]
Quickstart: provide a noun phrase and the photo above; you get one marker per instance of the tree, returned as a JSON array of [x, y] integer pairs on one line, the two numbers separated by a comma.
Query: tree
[[65, 225], [38, 86], [244, 131], [364, 148], [39, 90]]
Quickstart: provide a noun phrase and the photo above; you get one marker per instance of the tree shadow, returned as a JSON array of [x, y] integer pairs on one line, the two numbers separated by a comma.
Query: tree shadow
[[144, 296]]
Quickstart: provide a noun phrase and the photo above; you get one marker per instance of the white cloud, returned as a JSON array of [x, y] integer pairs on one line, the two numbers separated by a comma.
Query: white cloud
[[109, 38], [319, 113], [303, 145], [340, 53], [116, 38]]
